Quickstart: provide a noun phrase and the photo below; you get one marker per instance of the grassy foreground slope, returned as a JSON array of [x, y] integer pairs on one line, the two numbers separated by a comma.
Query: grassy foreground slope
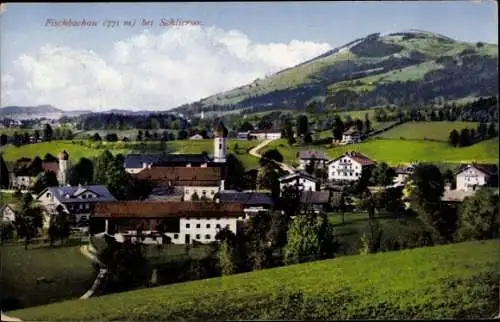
[[452, 281]]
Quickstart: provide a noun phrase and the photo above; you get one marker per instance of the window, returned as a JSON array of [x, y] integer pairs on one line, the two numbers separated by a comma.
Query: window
[[208, 225], [198, 236], [188, 225], [198, 225], [204, 192], [207, 236], [218, 218], [220, 146], [213, 192], [176, 236], [48, 194], [217, 226]]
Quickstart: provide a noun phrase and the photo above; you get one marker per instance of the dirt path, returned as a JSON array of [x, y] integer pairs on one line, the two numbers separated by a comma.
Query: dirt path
[[255, 152], [5, 318], [102, 272]]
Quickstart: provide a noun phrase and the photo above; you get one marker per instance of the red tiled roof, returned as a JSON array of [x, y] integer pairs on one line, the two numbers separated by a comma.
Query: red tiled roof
[[358, 157], [163, 209], [182, 176]]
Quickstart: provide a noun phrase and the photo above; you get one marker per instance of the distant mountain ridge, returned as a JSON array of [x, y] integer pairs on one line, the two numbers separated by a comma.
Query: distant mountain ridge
[[401, 68]]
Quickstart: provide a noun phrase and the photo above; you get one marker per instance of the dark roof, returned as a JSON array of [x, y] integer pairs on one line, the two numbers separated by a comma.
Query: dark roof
[[71, 194], [164, 209], [296, 174], [358, 157], [136, 160], [182, 176], [221, 130], [183, 159], [351, 131], [307, 155], [247, 198], [265, 131], [488, 169], [320, 197]]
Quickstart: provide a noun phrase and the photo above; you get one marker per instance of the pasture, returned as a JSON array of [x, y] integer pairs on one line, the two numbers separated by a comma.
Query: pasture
[[441, 282], [43, 274], [439, 131]]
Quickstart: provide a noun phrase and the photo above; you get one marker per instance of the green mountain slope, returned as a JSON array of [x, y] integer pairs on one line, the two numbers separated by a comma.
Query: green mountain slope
[[403, 68]]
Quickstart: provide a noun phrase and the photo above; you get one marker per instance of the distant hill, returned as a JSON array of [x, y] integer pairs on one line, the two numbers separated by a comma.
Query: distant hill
[[404, 68]]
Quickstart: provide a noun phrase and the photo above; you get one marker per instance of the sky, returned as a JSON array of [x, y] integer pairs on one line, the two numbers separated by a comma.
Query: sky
[[150, 66]]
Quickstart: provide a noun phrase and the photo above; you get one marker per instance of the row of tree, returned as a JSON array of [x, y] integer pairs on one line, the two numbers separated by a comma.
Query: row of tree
[[35, 136], [470, 136]]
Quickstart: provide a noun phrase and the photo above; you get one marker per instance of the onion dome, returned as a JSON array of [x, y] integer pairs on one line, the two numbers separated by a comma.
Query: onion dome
[[63, 155], [220, 130]]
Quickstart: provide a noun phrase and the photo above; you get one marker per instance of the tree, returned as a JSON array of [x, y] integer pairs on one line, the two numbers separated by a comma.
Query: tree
[[309, 168], [139, 136], [226, 256], [465, 139], [368, 203], [482, 130], [44, 180], [60, 225], [96, 137], [255, 234], [492, 130], [111, 137], [47, 132], [302, 124], [288, 132], [82, 173], [267, 178], [35, 166], [454, 138], [382, 174], [246, 126], [28, 219], [102, 163], [338, 128], [182, 135], [308, 138], [236, 172], [367, 124], [479, 217], [36, 135], [269, 156], [3, 139], [371, 241], [4, 174], [310, 237], [195, 197]]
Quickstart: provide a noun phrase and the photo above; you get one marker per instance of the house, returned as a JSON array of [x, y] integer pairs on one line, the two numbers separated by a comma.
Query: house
[[470, 176], [300, 179], [136, 162], [254, 202], [321, 200], [243, 135], [8, 213], [22, 177], [317, 158], [351, 136], [76, 200], [349, 166], [403, 173], [266, 134], [196, 137], [182, 222], [202, 181]]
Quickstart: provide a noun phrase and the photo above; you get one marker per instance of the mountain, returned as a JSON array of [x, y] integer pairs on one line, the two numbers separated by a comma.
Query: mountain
[[29, 112], [403, 68]]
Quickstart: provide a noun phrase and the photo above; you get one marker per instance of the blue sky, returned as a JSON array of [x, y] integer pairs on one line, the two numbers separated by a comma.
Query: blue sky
[[316, 25]]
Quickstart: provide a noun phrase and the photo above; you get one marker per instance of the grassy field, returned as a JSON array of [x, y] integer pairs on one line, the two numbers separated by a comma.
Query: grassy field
[[130, 134], [452, 281], [426, 130], [395, 152], [11, 130], [68, 273], [89, 150]]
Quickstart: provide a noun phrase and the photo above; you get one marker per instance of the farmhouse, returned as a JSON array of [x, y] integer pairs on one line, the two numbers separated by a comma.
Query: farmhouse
[[351, 136], [302, 180], [8, 213], [403, 173], [266, 134], [78, 200], [320, 201], [470, 176], [25, 171], [349, 166], [186, 182], [316, 158], [182, 222]]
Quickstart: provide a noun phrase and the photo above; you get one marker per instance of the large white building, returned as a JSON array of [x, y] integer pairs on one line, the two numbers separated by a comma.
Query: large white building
[[349, 166], [472, 176], [182, 222]]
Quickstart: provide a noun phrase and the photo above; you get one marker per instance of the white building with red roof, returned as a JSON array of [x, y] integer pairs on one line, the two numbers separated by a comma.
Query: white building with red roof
[[348, 166], [470, 176]]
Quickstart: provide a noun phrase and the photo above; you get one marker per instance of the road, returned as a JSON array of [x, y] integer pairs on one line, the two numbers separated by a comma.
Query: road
[[255, 152]]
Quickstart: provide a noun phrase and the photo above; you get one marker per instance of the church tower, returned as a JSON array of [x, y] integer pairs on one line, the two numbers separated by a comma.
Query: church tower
[[220, 143], [63, 168]]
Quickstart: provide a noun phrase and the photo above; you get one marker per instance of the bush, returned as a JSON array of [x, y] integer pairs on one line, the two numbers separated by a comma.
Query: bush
[[406, 234]]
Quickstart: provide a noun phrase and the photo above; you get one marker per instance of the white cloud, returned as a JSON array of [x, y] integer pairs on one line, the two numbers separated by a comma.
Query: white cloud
[[180, 65]]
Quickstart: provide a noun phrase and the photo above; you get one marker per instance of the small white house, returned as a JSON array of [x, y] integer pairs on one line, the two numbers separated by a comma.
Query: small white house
[[266, 134], [470, 176], [349, 166], [351, 136], [302, 180], [8, 213], [196, 137]]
